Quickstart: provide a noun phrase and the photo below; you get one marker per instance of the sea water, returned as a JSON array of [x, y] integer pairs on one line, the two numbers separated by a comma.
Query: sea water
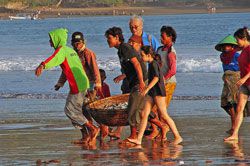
[[28, 105]]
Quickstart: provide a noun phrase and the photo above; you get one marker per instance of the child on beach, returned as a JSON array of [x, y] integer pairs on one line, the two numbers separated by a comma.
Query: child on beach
[[156, 95], [105, 92], [229, 58], [168, 66], [73, 71], [243, 39]]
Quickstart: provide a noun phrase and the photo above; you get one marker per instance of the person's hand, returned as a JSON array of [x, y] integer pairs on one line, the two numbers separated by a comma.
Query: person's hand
[[141, 86], [240, 82], [144, 92], [99, 91], [57, 87], [39, 70], [119, 78]]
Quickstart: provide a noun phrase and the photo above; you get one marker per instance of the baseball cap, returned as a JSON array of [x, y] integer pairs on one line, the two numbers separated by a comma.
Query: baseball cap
[[77, 37]]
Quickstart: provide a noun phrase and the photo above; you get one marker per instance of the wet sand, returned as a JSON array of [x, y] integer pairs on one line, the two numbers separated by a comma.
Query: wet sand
[[43, 138]]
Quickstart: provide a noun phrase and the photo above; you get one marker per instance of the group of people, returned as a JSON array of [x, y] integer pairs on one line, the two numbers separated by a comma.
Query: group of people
[[147, 86], [236, 77], [150, 87]]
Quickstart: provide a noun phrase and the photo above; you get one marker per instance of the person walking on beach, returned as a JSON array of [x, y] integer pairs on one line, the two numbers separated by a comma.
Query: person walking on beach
[[135, 71], [136, 28], [88, 59], [105, 92], [136, 43], [73, 70], [90, 66], [229, 58], [156, 95], [168, 67], [243, 39]]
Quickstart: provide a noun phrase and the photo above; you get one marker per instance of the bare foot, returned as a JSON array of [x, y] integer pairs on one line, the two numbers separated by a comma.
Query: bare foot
[[153, 135], [230, 131], [135, 141], [94, 134], [136, 147], [104, 131], [231, 138], [92, 145], [114, 135], [164, 131], [177, 141], [126, 141], [81, 141]]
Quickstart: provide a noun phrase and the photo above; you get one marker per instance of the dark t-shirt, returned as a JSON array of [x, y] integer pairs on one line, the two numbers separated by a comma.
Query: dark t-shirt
[[126, 52], [155, 71]]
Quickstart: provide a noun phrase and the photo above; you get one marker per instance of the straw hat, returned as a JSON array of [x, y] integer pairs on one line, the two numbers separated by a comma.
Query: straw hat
[[227, 40]]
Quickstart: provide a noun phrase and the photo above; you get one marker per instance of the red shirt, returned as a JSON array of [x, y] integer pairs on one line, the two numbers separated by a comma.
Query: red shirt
[[105, 90], [244, 63]]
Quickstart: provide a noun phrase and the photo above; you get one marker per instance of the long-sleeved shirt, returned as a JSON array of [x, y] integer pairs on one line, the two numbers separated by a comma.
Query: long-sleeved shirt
[[72, 68], [90, 66]]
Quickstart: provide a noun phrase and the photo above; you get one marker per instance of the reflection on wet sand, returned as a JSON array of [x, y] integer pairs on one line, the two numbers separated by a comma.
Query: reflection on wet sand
[[155, 153], [236, 149], [52, 143]]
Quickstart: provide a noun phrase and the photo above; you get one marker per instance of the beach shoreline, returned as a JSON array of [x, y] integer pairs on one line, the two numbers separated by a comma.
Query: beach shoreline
[[116, 11], [43, 138]]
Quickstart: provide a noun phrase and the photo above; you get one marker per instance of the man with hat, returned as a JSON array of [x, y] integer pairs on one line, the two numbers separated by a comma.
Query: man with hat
[[89, 63], [229, 58], [88, 59]]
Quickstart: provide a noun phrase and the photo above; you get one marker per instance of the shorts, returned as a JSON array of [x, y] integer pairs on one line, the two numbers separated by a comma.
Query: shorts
[[136, 104], [245, 89], [73, 109], [230, 90]]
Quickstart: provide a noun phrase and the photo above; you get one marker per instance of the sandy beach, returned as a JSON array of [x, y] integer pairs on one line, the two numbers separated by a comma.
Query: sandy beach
[[35, 131], [45, 138], [116, 11]]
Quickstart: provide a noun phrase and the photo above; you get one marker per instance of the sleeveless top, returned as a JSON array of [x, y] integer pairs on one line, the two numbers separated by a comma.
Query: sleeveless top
[[164, 60]]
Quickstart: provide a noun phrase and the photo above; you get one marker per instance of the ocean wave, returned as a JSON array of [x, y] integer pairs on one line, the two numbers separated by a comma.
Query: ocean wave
[[64, 96], [32, 96], [184, 65], [203, 65]]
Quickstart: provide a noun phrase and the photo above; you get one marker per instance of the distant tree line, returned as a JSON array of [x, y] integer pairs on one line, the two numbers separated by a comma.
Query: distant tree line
[[109, 3]]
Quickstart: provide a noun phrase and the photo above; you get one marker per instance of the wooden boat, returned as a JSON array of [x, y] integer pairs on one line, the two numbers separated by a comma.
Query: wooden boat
[[110, 116], [23, 16], [20, 17]]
